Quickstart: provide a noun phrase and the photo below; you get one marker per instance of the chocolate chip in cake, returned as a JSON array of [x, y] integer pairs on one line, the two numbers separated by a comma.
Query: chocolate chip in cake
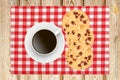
[[89, 57], [75, 13], [70, 62], [87, 43], [84, 21], [68, 32], [74, 59], [71, 56], [85, 58], [81, 16], [67, 25], [80, 53], [79, 39], [74, 43], [88, 31], [80, 19], [78, 35], [78, 47], [73, 32], [64, 29], [85, 63], [79, 65], [72, 22], [85, 34], [76, 16], [89, 38]]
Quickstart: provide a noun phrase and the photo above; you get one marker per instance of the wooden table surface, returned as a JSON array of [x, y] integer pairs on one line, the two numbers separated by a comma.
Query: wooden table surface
[[5, 38]]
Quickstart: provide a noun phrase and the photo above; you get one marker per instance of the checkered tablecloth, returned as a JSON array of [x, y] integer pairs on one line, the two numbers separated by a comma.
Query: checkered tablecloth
[[22, 18]]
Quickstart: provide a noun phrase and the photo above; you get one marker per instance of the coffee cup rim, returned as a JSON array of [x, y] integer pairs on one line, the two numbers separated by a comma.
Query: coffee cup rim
[[45, 24], [50, 51], [58, 50]]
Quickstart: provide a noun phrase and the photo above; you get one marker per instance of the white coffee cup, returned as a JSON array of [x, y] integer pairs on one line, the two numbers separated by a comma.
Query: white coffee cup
[[53, 55]]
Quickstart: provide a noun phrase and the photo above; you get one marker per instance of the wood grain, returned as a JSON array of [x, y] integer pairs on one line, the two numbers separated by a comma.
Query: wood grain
[[30, 2], [73, 2], [0, 40], [114, 39], [14, 2], [74, 77], [5, 39], [52, 2], [94, 2]]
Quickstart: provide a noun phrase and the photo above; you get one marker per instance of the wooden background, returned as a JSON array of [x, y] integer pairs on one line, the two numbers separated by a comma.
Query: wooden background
[[5, 38]]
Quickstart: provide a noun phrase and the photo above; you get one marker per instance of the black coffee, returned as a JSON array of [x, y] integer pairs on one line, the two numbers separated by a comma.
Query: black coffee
[[44, 41]]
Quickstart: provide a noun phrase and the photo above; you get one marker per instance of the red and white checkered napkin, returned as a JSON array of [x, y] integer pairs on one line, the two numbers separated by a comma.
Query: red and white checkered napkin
[[22, 18]]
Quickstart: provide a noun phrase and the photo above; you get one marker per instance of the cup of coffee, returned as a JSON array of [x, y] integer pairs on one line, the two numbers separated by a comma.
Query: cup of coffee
[[44, 42]]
